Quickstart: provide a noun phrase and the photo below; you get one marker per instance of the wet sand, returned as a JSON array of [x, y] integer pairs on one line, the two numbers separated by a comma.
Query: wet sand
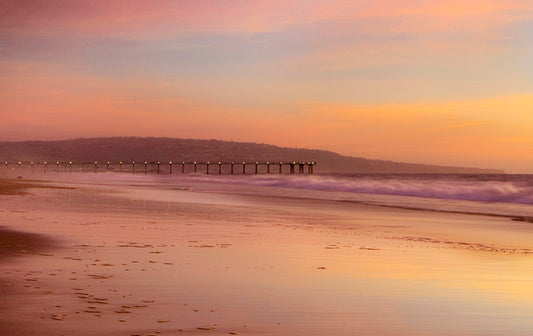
[[14, 243], [144, 261]]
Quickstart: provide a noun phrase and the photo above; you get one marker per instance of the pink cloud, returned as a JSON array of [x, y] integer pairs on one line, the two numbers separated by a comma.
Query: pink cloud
[[146, 18], [42, 102], [138, 19]]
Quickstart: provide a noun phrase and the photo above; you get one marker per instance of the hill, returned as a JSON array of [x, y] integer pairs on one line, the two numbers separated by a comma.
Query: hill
[[171, 149]]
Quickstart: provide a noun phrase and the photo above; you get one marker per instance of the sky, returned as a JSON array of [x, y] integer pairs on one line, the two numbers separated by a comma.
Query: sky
[[445, 82]]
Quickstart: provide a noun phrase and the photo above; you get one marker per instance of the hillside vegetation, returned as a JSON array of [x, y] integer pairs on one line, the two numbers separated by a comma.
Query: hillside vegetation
[[171, 149]]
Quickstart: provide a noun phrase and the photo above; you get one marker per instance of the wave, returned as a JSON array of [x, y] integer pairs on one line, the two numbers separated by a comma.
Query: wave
[[514, 189], [508, 196], [509, 189]]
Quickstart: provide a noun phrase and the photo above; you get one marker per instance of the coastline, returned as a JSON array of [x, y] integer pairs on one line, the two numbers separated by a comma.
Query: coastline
[[15, 244], [196, 259]]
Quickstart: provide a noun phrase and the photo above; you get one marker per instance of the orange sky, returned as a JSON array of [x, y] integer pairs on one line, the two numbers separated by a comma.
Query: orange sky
[[443, 82]]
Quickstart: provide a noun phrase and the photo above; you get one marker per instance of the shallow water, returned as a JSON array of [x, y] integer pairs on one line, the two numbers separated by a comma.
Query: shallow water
[[265, 260], [500, 195]]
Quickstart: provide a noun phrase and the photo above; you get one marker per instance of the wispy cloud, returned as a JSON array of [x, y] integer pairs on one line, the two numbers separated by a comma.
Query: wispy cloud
[[421, 80]]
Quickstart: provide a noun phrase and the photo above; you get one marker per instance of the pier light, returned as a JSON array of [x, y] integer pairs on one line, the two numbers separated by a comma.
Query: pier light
[[95, 162], [133, 162], [57, 162], [268, 162], [108, 162], [170, 162], [44, 162], [219, 162], [31, 162], [207, 162], [194, 162], [20, 163], [256, 162], [70, 162], [182, 162], [145, 162], [120, 162], [243, 162], [158, 162]]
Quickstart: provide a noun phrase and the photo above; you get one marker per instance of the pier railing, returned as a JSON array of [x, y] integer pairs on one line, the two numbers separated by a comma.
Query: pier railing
[[160, 167]]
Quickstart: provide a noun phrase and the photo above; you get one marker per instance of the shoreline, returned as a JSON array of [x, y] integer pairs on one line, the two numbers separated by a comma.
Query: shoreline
[[224, 264], [16, 244]]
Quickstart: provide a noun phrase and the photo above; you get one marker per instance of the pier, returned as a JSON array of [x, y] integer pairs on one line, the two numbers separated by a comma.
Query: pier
[[160, 167]]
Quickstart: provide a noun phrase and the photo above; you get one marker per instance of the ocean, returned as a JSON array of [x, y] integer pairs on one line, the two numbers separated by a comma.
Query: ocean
[[494, 195], [270, 254]]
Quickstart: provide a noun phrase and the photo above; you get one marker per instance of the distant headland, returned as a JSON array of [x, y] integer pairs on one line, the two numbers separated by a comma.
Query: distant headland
[[142, 149]]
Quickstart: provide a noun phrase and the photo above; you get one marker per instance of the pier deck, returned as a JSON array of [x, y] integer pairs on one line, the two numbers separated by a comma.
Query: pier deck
[[160, 167]]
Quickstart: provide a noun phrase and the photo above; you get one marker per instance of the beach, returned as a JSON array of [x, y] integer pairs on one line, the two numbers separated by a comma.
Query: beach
[[122, 254]]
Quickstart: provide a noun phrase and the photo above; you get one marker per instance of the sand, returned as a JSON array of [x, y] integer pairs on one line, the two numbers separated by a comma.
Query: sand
[[115, 260]]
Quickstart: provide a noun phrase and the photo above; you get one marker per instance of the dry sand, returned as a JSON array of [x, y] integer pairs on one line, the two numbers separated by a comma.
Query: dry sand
[[118, 261]]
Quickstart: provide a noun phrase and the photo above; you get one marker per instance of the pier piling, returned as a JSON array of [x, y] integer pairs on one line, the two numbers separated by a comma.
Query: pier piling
[[150, 167]]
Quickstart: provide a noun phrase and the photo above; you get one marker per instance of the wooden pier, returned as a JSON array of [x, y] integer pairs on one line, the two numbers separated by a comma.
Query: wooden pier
[[159, 167]]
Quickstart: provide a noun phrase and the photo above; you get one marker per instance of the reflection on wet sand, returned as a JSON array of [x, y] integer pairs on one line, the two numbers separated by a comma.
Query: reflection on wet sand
[[147, 261]]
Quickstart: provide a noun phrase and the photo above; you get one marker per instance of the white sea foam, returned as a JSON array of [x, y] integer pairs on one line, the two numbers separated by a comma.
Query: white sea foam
[[501, 195], [513, 189]]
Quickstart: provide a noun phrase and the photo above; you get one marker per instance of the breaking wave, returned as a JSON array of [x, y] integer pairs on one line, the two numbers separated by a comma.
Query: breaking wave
[[484, 188]]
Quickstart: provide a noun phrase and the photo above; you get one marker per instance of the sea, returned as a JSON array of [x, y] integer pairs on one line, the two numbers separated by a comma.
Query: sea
[[505, 195]]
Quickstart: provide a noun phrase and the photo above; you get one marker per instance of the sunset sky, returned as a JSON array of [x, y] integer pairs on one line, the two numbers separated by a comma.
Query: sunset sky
[[434, 81]]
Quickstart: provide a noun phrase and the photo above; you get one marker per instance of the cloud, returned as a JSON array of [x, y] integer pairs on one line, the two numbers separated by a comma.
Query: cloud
[[327, 74], [141, 19], [152, 18], [296, 36], [469, 131], [39, 101]]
